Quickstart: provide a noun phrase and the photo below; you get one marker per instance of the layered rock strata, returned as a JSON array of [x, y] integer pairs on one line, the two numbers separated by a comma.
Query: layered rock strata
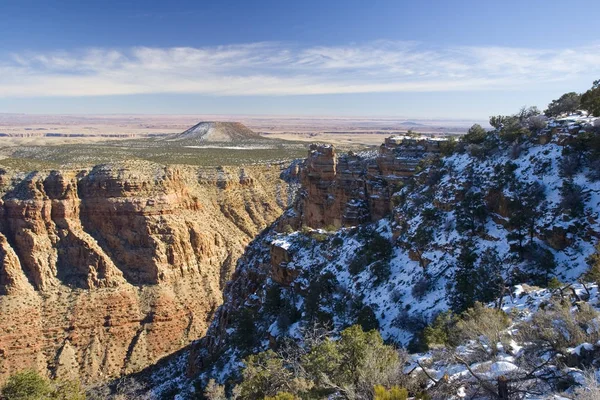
[[104, 271], [351, 189]]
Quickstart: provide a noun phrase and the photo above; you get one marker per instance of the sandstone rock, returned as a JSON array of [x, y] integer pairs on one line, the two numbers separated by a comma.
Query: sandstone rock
[[349, 190], [103, 272]]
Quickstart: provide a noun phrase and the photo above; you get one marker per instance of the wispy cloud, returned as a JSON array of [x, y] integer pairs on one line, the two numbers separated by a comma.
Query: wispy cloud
[[272, 68]]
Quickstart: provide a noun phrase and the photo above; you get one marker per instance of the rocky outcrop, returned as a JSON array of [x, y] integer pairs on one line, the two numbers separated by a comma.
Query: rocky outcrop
[[351, 189], [104, 271], [337, 190]]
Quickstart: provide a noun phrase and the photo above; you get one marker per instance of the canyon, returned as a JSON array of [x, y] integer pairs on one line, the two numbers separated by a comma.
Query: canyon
[[104, 270]]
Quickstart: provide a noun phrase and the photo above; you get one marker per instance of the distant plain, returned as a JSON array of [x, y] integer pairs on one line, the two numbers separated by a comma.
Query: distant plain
[[32, 142]]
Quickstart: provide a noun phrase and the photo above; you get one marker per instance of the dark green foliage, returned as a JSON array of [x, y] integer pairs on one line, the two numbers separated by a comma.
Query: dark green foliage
[[337, 241], [475, 279], [381, 270], [565, 104], [504, 175], [513, 127], [475, 135], [540, 264], [554, 283], [572, 199], [26, 385], [421, 288], [593, 273], [497, 121], [471, 213], [366, 319], [441, 331], [377, 249], [590, 100], [29, 385], [288, 313], [320, 293], [421, 239], [244, 336], [526, 208], [357, 362], [448, 147], [272, 303]]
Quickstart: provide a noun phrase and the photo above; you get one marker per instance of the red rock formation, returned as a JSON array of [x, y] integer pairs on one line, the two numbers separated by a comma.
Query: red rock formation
[[103, 272], [349, 190]]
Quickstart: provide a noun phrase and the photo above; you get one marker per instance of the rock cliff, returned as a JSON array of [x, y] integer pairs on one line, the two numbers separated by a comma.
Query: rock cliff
[[104, 271], [522, 213], [351, 189]]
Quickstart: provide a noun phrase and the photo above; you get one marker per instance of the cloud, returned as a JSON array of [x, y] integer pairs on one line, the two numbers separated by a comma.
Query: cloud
[[271, 68]]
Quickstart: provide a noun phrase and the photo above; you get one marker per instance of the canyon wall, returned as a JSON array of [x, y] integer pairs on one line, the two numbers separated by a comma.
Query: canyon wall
[[104, 271], [336, 190], [351, 189]]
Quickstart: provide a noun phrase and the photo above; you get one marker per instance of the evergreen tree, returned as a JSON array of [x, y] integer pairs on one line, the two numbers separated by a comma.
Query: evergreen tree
[[565, 104], [471, 213], [475, 135], [526, 208], [463, 292], [476, 278], [590, 100]]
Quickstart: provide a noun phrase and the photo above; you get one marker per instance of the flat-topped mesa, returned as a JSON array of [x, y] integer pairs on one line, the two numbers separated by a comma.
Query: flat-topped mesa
[[350, 189], [216, 132]]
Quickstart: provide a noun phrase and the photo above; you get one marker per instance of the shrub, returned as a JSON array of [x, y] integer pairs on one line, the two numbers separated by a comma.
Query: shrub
[[475, 135], [448, 147], [565, 104], [554, 283], [558, 326], [486, 325], [590, 100], [572, 199], [26, 385], [381, 270], [282, 396], [367, 319], [394, 393], [421, 288], [593, 273], [214, 391], [441, 332], [331, 228]]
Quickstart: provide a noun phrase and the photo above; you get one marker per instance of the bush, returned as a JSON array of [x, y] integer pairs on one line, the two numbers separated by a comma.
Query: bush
[[381, 270], [572, 199], [565, 104], [394, 393], [282, 396], [593, 273], [367, 319], [557, 326], [441, 332], [421, 288], [26, 385], [29, 385], [214, 391], [483, 324], [475, 135]]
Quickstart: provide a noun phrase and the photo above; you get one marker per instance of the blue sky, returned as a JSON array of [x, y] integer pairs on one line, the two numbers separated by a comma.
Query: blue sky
[[421, 59]]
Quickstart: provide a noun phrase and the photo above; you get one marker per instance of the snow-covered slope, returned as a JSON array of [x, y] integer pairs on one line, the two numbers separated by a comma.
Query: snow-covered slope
[[505, 213]]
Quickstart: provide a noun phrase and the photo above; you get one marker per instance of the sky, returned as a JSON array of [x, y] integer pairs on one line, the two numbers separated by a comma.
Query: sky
[[420, 59]]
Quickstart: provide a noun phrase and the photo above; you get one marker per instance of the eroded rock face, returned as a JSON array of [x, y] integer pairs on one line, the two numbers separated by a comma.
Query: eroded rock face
[[349, 190], [103, 272]]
